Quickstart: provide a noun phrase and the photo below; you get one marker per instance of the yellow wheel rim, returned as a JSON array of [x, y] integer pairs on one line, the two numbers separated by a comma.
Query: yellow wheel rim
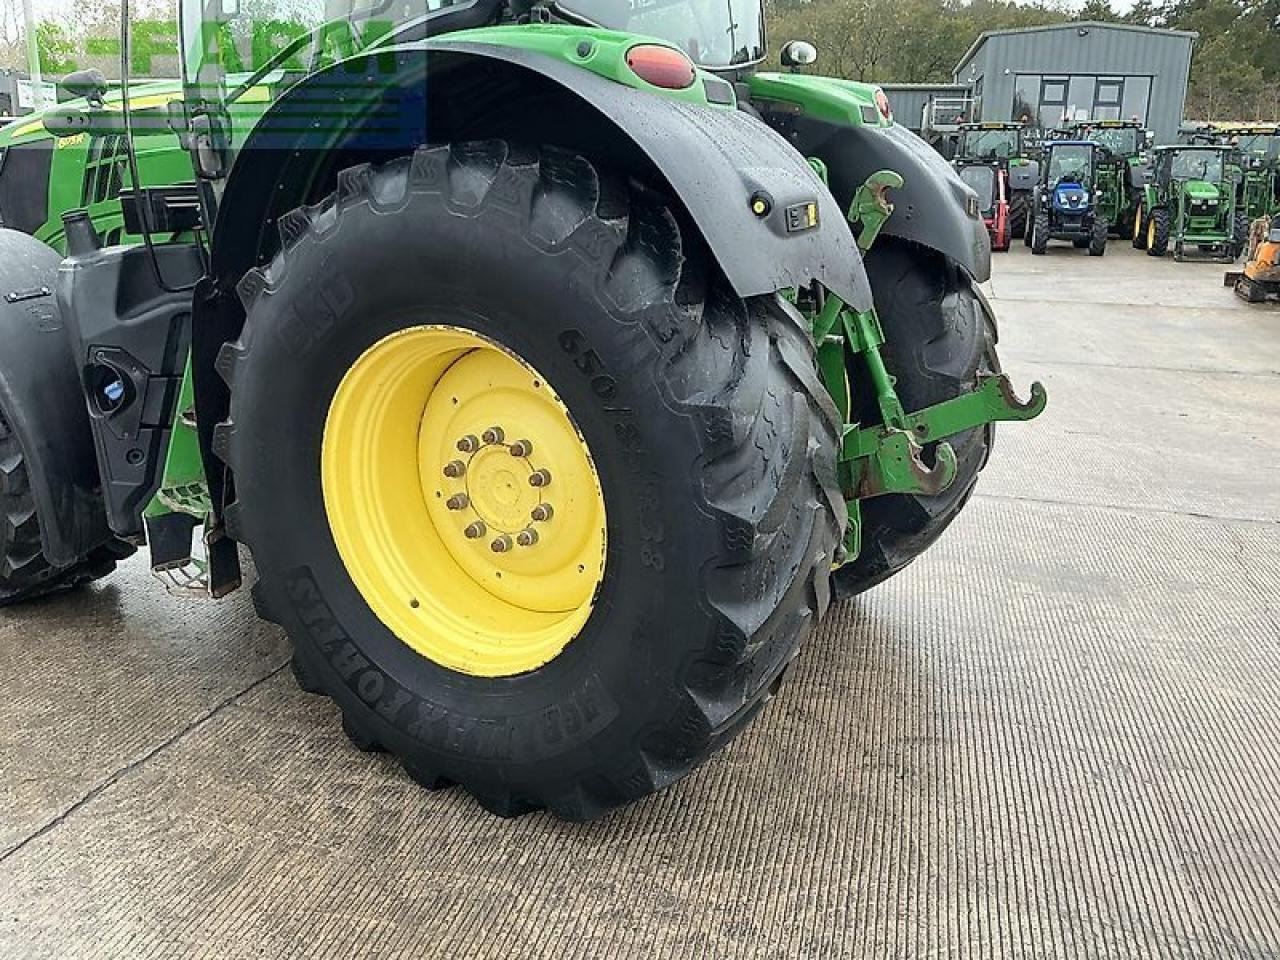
[[1151, 233], [1137, 224], [463, 501]]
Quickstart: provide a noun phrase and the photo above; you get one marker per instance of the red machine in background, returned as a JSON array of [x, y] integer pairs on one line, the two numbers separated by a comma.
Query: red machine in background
[[991, 182]]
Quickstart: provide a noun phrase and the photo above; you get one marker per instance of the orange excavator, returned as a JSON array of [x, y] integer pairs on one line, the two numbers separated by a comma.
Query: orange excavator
[[1260, 278]]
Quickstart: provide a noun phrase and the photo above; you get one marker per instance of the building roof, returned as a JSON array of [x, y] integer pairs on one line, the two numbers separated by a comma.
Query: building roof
[[1067, 25]]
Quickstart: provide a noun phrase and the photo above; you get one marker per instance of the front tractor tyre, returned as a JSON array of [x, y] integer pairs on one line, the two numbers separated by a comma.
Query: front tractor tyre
[[940, 341], [545, 507], [1239, 236], [1098, 237], [1158, 232], [1040, 233]]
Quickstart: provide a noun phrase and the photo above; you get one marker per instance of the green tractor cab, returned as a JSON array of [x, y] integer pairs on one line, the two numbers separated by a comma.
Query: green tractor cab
[[1124, 166], [557, 366], [1192, 199], [1257, 155], [1012, 148], [1066, 202]]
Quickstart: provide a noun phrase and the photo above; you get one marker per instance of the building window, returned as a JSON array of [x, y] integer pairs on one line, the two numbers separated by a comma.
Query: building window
[[1106, 102], [1054, 100], [1134, 101]]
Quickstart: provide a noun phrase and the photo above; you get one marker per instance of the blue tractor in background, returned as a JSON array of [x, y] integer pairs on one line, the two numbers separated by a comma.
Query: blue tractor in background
[[1066, 203]]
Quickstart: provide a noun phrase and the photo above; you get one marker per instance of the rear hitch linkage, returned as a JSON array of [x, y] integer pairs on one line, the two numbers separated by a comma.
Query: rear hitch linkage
[[887, 458]]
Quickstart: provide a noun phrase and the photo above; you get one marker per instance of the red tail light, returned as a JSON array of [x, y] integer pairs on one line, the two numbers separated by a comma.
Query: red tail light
[[661, 66], [882, 102]]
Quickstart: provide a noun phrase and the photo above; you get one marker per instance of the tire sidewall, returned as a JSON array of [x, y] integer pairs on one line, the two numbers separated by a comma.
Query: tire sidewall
[[342, 294]]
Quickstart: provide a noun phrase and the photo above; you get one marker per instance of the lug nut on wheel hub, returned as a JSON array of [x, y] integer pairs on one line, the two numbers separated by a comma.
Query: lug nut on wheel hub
[[493, 435], [527, 537], [521, 448], [501, 544], [475, 530], [459, 501], [468, 444], [542, 512], [454, 469], [539, 478]]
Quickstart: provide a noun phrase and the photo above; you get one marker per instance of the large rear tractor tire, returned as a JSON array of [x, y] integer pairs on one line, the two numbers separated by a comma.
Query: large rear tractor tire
[[25, 572], [939, 340], [545, 507], [1158, 232]]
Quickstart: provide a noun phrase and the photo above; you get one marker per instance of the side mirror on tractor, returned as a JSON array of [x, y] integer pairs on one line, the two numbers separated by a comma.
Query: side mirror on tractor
[[89, 84], [798, 53]]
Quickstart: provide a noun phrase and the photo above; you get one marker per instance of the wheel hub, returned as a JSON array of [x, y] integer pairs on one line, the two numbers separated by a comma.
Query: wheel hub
[[475, 525]]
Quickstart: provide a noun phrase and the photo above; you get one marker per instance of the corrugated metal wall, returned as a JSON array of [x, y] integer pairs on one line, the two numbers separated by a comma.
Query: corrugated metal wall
[[1101, 50], [909, 100]]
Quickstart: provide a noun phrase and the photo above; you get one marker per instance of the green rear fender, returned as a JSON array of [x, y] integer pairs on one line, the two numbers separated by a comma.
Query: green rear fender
[[838, 122], [746, 190]]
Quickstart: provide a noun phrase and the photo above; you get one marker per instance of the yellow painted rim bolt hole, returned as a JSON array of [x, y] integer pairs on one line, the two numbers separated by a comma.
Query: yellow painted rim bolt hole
[[539, 478], [476, 530], [527, 537], [542, 512], [468, 444], [454, 469], [501, 544], [521, 448], [493, 435], [459, 501]]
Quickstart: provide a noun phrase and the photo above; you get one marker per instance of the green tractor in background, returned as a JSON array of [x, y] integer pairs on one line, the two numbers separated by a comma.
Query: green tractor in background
[[1257, 154], [1192, 199], [1123, 169], [557, 366], [1012, 148]]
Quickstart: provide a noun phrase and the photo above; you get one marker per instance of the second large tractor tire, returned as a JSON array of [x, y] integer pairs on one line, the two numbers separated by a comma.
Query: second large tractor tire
[[25, 571], [939, 341], [546, 508]]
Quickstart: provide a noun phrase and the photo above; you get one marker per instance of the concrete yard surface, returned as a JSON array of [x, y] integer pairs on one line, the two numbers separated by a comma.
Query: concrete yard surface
[[1055, 735]]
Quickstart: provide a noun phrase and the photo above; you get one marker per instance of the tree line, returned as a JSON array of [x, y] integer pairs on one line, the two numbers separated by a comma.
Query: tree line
[[1235, 67]]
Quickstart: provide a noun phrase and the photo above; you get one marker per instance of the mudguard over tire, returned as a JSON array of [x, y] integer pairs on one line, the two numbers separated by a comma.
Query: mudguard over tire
[[712, 436], [942, 341]]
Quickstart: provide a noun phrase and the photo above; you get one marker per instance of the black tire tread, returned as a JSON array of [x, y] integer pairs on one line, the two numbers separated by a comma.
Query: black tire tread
[[743, 370], [25, 572], [1160, 217]]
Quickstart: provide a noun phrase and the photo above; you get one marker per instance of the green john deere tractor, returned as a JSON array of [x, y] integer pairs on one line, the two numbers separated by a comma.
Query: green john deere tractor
[[556, 366], [1010, 147], [1191, 199], [1123, 168], [1257, 153]]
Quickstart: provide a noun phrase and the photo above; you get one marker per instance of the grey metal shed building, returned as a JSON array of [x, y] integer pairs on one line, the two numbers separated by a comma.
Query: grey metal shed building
[[1078, 71]]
